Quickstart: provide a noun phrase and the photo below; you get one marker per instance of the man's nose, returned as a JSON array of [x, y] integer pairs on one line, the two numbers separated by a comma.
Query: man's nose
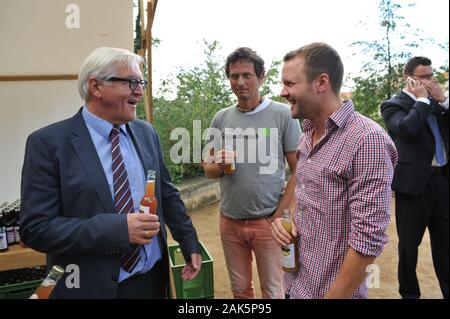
[[139, 90], [284, 92]]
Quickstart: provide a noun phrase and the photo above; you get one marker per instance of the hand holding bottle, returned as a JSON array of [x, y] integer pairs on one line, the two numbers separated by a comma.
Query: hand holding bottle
[[225, 158], [142, 227], [289, 250], [282, 236]]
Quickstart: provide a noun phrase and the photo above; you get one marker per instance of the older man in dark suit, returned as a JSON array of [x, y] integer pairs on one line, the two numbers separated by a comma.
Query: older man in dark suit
[[83, 179], [417, 120]]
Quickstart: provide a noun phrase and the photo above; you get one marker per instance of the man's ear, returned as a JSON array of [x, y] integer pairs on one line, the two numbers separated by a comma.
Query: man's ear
[[94, 87], [323, 83]]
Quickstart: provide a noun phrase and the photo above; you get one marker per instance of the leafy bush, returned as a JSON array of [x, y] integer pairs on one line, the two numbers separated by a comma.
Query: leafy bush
[[200, 92]]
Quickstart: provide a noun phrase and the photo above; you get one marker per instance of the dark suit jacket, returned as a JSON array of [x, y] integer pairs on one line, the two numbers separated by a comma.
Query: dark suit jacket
[[67, 207], [406, 121]]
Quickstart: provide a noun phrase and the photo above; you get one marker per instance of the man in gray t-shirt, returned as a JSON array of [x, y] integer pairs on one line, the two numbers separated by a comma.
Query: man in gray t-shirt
[[248, 144]]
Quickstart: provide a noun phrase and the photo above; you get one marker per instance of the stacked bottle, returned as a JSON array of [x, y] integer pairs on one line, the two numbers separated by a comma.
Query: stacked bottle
[[3, 233], [9, 224], [15, 276]]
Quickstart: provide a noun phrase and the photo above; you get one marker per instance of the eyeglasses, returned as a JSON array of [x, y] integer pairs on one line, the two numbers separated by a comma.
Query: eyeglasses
[[423, 76], [133, 83]]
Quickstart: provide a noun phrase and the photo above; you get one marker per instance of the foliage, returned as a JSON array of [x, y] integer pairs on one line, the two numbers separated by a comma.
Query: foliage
[[381, 76], [200, 93], [196, 93], [369, 91], [442, 72], [137, 29], [272, 80]]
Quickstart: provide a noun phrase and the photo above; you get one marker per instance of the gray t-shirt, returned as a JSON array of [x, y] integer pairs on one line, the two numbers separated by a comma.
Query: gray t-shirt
[[260, 139]]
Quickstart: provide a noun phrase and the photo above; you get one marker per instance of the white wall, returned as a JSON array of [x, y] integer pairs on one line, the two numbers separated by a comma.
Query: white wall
[[34, 39]]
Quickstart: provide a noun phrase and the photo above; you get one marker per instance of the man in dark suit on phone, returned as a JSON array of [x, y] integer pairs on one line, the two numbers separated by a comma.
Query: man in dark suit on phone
[[82, 182], [417, 119]]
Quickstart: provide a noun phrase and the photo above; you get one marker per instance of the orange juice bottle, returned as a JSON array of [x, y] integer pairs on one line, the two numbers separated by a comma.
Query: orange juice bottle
[[149, 203], [49, 283]]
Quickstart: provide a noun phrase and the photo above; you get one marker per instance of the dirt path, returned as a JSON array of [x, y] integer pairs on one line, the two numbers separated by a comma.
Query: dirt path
[[206, 223]]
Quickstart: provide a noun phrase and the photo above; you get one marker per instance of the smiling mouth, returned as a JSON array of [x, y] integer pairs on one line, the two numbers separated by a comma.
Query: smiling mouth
[[132, 102]]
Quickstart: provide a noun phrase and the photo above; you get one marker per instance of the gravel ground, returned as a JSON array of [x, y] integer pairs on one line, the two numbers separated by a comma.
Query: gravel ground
[[206, 222]]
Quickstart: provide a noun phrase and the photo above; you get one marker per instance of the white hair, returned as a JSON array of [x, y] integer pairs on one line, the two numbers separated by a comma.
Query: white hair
[[103, 63]]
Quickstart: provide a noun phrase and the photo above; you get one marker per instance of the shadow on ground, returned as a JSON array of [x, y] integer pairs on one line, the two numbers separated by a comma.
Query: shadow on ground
[[206, 221]]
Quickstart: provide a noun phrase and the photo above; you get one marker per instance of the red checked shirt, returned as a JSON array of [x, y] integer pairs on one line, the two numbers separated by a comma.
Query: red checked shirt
[[343, 194]]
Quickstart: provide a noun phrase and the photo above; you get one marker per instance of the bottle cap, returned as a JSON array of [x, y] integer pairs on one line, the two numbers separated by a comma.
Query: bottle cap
[[58, 269]]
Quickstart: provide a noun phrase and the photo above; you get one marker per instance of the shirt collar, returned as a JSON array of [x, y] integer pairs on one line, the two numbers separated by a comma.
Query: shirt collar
[[339, 117], [410, 95], [101, 126], [261, 107]]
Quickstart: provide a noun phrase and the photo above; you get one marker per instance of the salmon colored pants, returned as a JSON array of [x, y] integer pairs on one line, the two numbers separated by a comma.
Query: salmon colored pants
[[239, 239]]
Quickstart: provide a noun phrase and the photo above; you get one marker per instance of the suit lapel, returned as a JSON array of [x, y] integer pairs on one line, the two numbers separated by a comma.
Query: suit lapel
[[138, 138], [85, 149], [407, 103]]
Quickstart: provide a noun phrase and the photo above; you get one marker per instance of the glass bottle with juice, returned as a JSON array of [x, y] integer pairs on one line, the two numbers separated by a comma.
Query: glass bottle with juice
[[149, 203], [289, 253], [48, 284], [229, 168]]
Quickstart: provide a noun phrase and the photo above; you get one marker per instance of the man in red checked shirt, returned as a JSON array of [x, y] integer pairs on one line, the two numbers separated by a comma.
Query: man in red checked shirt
[[345, 166]]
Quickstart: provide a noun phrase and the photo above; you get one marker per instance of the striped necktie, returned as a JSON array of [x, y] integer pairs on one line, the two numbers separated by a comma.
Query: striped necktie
[[123, 202]]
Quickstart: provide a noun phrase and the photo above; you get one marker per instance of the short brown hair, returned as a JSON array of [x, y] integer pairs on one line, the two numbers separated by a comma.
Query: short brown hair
[[320, 58], [413, 63], [247, 55]]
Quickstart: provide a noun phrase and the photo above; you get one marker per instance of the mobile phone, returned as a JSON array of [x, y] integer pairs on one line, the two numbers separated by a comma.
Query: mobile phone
[[410, 81]]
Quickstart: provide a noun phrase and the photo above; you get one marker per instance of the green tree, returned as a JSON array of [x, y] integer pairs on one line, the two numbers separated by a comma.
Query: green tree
[[369, 91], [200, 92], [381, 76], [196, 93], [271, 80], [442, 72], [137, 30]]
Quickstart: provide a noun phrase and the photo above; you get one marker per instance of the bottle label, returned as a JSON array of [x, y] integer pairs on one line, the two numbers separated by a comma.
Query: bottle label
[[17, 234], [48, 282], [11, 235], [288, 256], [144, 209], [3, 240]]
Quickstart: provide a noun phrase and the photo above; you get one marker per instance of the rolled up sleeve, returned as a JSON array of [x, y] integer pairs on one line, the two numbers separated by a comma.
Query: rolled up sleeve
[[370, 193]]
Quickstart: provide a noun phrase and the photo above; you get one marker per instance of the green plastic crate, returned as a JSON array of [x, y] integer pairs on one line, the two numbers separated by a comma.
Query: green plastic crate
[[21, 290], [202, 286]]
